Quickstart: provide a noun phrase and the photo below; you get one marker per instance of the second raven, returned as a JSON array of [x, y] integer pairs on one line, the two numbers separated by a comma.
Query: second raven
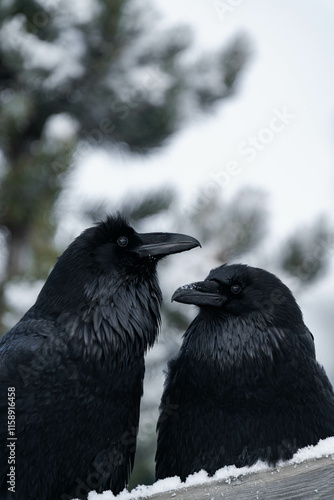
[[246, 384]]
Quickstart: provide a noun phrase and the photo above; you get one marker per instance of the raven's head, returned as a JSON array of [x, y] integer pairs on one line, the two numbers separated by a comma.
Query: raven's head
[[240, 290], [115, 244], [112, 252], [107, 277], [249, 310]]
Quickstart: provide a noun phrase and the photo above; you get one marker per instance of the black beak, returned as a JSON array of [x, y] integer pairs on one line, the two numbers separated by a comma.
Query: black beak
[[160, 244], [201, 293]]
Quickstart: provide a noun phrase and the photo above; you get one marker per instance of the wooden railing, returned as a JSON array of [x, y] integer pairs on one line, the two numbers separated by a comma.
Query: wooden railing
[[310, 480]]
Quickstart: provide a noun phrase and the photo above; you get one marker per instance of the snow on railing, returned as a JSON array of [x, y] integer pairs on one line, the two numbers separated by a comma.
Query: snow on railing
[[308, 475]]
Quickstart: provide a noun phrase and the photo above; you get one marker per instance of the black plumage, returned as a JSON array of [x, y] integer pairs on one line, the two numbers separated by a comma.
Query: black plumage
[[246, 384], [76, 363]]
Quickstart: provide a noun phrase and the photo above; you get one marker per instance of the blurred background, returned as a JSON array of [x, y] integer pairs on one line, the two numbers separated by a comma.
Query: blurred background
[[210, 117]]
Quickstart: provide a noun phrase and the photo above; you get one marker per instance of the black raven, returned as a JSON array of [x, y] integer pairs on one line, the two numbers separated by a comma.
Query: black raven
[[72, 369], [246, 384]]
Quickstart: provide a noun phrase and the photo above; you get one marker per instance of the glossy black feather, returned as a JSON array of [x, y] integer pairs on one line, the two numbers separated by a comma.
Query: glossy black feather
[[246, 384], [76, 360]]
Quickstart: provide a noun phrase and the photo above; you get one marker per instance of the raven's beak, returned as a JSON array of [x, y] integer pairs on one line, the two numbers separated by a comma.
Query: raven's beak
[[201, 293], [161, 244]]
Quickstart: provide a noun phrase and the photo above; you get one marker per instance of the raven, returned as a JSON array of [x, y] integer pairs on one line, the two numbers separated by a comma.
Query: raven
[[72, 369], [246, 384]]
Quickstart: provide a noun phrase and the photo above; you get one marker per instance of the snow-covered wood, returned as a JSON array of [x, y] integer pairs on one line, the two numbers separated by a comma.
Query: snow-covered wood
[[309, 475], [313, 479]]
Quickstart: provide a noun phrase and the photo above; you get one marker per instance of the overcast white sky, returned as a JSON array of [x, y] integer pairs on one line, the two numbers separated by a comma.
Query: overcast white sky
[[292, 69], [290, 73]]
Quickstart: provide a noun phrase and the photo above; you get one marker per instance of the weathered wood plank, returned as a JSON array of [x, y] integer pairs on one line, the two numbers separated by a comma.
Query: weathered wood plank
[[311, 480]]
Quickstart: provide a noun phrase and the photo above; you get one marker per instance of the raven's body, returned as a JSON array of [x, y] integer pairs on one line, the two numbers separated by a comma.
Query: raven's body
[[246, 384], [76, 361]]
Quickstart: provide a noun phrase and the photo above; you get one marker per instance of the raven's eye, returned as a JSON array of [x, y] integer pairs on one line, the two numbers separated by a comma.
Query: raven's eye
[[122, 241], [235, 289]]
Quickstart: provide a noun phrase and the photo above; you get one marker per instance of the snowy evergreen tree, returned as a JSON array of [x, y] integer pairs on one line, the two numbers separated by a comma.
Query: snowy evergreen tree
[[76, 76]]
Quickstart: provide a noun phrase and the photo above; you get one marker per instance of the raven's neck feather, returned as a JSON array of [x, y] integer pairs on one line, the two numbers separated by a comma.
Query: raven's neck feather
[[230, 344], [115, 322], [120, 324]]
